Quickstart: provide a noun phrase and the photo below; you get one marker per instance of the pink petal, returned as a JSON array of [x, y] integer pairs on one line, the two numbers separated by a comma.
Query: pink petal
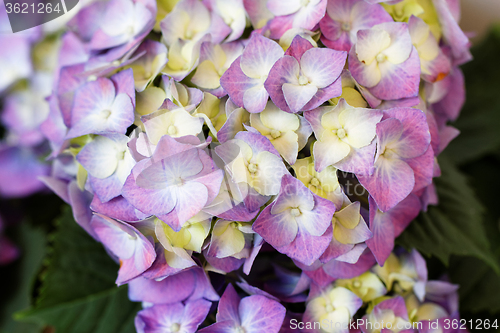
[[415, 138], [391, 182], [322, 66], [228, 305], [261, 314], [399, 81], [259, 56], [297, 96], [306, 248], [235, 82], [285, 70], [278, 230]]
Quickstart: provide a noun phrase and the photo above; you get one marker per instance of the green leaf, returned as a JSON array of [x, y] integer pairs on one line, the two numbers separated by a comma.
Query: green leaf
[[78, 293], [479, 284], [479, 120], [18, 278], [455, 225]]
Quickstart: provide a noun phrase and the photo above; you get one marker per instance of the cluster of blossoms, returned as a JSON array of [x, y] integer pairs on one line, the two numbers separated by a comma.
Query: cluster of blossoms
[[28, 67], [190, 135]]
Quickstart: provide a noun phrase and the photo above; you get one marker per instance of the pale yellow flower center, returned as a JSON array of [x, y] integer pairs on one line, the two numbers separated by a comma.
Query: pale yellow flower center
[[172, 130], [275, 134], [106, 113], [381, 57], [315, 182], [252, 168], [175, 327], [303, 80], [341, 133]]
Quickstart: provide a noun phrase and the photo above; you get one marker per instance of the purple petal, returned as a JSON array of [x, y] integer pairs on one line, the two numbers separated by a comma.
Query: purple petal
[[80, 202], [124, 83], [258, 142], [261, 314], [203, 288], [58, 186], [397, 305], [298, 47], [227, 326], [106, 189], [259, 56], [276, 230], [284, 69], [403, 213], [98, 109], [392, 181], [399, 81], [172, 289], [322, 66], [452, 34], [255, 99], [135, 251], [159, 318], [306, 248], [382, 227], [160, 269], [20, 172], [423, 169], [235, 82], [358, 161], [227, 264], [118, 208], [195, 313], [258, 242], [343, 270], [237, 213], [228, 306], [415, 138], [320, 277], [451, 104]]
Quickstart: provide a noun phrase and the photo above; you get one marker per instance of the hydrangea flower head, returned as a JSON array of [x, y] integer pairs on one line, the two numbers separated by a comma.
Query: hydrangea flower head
[[201, 141], [244, 80], [385, 61], [345, 135], [332, 305], [175, 183], [297, 222], [305, 77], [250, 314]]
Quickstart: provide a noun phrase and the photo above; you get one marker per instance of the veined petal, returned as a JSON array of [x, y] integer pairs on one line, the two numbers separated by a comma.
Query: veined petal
[[261, 314], [206, 76], [359, 125], [226, 240], [329, 151], [278, 230], [367, 75], [274, 118], [281, 8], [401, 45], [370, 43], [322, 66], [392, 181], [255, 99], [287, 145], [296, 96], [259, 56]]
